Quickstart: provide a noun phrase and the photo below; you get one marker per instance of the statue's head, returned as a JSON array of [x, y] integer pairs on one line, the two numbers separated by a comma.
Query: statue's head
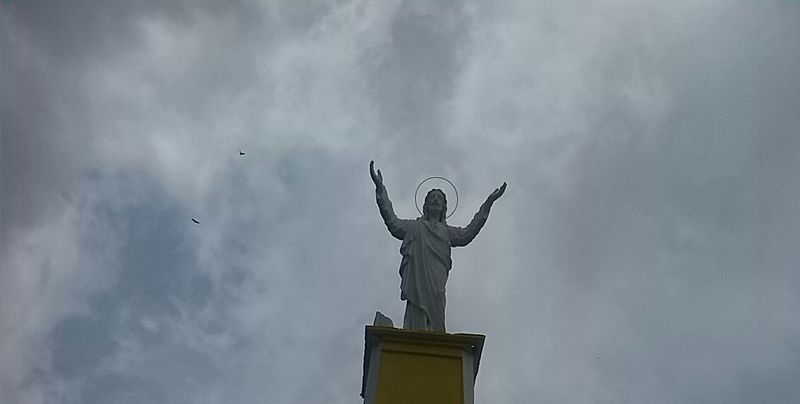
[[435, 205]]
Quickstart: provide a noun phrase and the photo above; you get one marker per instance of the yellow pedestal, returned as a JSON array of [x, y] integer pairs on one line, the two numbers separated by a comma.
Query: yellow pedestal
[[419, 367]]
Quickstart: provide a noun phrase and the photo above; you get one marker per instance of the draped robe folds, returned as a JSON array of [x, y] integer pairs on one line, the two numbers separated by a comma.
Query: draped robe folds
[[426, 261]]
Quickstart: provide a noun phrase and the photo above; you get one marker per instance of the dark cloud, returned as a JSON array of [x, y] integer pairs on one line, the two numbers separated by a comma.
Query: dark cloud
[[36, 159], [80, 31], [157, 288], [118, 389], [413, 75], [50, 49]]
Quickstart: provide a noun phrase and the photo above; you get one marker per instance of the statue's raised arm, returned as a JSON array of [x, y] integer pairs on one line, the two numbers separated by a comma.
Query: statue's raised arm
[[461, 236], [495, 195], [376, 178], [396, 226]]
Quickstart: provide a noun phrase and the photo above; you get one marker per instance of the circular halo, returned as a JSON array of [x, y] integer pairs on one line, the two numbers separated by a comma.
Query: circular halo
[[455, 191]]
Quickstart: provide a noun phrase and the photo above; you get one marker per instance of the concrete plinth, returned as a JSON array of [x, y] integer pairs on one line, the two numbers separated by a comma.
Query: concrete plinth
[[419, 367]]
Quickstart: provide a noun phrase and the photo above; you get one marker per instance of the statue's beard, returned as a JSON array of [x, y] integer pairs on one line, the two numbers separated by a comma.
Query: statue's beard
[[438, 214]]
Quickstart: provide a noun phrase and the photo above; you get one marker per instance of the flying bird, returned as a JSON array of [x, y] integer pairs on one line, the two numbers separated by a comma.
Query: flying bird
[[195, 221], [241, 153]]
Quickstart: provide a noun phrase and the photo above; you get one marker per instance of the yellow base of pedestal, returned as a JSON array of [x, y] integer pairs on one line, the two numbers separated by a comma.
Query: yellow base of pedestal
[[419, 367]]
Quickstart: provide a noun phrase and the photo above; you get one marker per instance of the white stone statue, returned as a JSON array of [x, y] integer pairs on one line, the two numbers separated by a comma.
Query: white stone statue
[[426, 251]]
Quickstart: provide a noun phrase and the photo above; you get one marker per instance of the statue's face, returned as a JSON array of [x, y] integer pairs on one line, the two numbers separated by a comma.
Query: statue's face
[[435, 204]]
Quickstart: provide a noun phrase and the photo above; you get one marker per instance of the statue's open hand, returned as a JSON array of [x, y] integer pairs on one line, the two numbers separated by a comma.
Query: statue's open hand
[[496, 194], [376, 178]]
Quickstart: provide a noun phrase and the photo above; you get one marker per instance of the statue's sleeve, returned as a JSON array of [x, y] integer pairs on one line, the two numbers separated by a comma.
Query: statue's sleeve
[[397, 227], [461, 236]]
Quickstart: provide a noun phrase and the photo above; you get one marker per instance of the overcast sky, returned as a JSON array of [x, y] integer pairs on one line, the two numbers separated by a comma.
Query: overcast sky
[[645, 251]]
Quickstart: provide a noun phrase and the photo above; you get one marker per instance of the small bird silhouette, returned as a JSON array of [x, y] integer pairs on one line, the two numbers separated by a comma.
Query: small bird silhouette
[[195, 221], [241, 153]]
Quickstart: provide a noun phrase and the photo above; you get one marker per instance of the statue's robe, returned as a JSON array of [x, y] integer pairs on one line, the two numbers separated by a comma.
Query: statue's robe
[[426, 262]]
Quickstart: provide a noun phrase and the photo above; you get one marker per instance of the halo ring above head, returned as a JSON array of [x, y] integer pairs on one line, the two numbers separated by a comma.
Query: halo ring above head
[[455, 191]]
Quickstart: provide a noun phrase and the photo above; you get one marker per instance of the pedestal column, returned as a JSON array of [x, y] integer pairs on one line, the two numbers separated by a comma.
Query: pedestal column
[[419, 367]]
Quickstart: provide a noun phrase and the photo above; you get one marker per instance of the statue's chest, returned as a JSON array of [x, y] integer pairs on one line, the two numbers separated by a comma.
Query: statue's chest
[[426, 248], [430, 233]]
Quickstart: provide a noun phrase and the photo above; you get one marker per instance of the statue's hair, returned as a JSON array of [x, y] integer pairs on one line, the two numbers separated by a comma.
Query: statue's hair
[[443, 214]]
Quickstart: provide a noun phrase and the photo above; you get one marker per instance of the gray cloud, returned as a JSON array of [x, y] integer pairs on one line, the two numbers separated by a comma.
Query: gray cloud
[[412, 76], [644, 251]]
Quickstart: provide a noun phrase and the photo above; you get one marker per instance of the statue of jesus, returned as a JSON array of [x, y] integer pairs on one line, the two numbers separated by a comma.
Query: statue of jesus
[[426, 251]]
